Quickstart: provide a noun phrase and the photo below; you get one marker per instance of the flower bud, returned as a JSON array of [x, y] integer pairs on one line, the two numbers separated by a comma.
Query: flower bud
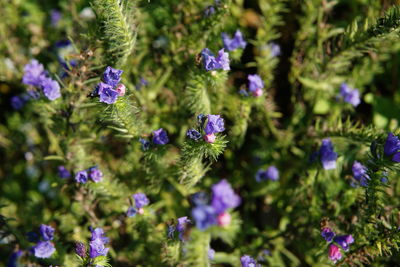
[[258, 92], [209, 138], [224, 219], [121, 88], [80, 250]]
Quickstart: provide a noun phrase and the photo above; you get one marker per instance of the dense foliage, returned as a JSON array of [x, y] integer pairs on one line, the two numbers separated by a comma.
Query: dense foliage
[[199, 133]]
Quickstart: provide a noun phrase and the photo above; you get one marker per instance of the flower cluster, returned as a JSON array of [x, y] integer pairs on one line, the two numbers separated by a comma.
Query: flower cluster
[[256, 85], [327, 154], [160, 137], [344, 241], [180, 228], [215, 124], [93, 173], [44, 248], [360, 173], [35, 75], [223, 198], [211, 9], [141, 200], [349, 95], [212, 62], [97, 246], [110, 89], [234, 43], [63, 172], [392, 147], [248, 261], [97, 243], [271, 173]]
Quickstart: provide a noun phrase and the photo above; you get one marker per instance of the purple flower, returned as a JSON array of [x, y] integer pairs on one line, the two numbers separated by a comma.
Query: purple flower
[[243, 92], [255, 82], [392, 147], [17, 102], [248, 261], [13, 259], [98, 233], [272, 173], [384, 179], [215, 124], [33, 73], [81, 177], [327, 154], [360, 173], [201, 119], [181, 226], [95, 174], [140, 200], [51, 88], [211, 62], [33, 94], [43, 249], [80, 249], [131, 212], [236, 42], [200, 198], [350, 95], [327, 234], [275, 49], [171, 231], [223, 59], [209, 11], [160, 137], [47, 232], [97, 248], [211, 254], [344, 241], [334, 253], [107, 93], [204, 216], [55, 16], [112, 76], [193, 134], [224, 197], [63, 172], [145, 144], [142, 82], [97, 242]]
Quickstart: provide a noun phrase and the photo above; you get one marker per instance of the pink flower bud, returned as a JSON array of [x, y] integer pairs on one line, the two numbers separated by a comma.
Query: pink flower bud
[[334, 253], [258, 92], [224, 219], [140, 211], [209, 138], [121, 89]]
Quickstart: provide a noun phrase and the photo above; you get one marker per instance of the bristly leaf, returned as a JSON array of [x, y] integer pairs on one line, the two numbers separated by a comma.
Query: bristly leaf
[[102, 261], [123, 116], [197, 249], [191, 166], [115, 19]]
